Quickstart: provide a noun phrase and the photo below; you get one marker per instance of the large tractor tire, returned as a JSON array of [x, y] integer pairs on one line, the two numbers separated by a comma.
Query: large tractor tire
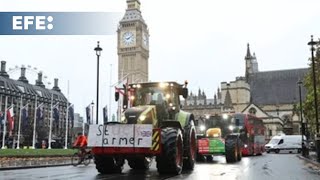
[[231, 147], [171, 158], [108, 165], [140, 163], [200, 158], [190, 148], [239, 149]]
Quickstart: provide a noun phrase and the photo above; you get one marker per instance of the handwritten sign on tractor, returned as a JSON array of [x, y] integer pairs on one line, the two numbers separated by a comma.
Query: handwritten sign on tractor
[[120, 135]]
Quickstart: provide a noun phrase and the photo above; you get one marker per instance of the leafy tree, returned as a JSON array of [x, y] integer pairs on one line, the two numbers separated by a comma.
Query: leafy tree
[[308, 105]]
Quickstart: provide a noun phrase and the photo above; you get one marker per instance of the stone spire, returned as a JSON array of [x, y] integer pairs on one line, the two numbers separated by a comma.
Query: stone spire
[[248, 55], [133, 4], [227, 101], [133, 12], [199, 94], [215, 99], [219, 93], [249, 66]]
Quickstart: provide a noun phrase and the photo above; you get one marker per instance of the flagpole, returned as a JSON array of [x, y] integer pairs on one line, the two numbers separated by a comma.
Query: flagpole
[[92, 112], [67, 120], [83, 122], [19, 125], [5, 122], [12, 121], [34, 123], [50, 129], [110, 92]]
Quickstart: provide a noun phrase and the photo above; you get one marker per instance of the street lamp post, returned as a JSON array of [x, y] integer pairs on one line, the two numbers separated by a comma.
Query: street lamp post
[[98, 50], [317, 138], [303, 132]]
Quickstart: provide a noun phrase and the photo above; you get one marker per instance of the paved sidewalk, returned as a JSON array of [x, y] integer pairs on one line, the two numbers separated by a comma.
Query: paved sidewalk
[[311, 159]]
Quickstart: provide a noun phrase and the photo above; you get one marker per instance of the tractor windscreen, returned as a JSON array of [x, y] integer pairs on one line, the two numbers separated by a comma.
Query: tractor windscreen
[[218, 122], [150, 96]]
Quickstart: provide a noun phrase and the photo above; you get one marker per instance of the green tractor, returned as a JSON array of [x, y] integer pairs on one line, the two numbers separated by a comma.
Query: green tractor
[[218, 135], [151, 125]]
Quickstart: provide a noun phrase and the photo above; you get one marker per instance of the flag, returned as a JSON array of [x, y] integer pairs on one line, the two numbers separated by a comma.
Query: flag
[[88, 113], [56, 114], [105, 114], [40, 116], [10, 118], [71, 115], [1, 120], [25, 117]]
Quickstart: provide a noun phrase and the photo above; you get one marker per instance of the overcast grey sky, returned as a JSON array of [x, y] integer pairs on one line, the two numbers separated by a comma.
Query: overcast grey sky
[[202, 41]]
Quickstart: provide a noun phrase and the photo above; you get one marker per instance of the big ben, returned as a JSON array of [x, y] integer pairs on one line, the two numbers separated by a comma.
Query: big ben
[[133, 45]]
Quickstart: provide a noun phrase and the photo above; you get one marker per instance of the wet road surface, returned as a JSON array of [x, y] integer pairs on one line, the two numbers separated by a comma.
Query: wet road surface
[[268, 166]]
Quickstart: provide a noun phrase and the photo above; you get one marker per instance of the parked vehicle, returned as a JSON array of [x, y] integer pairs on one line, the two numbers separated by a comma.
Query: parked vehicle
[[285, 142]]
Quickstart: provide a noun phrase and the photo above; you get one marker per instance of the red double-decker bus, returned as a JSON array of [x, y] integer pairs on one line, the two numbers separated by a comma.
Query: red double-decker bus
[[251, 131]]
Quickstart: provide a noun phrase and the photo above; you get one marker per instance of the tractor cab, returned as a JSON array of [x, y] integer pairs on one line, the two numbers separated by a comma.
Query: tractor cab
[[152, 101]]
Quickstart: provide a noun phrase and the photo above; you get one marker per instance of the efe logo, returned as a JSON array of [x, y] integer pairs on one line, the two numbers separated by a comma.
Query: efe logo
[[36, 22]]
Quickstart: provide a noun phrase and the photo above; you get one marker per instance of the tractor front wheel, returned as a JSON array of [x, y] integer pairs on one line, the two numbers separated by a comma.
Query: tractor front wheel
[[231, 147], [190, 148], [140, 163], [108, 164], [171, 158]]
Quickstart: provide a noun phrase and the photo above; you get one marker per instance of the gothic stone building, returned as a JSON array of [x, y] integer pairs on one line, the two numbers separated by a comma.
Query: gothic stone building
[[15, 89], [270, 95]]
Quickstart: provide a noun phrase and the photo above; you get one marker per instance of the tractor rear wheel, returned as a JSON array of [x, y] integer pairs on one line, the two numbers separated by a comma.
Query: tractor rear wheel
[[239, 145], [231, 149], [140, 163], [190, 148], [108, 165], [171, 158]]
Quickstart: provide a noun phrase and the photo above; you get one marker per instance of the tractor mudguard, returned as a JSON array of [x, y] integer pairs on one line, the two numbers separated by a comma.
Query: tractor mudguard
[[170, 123]]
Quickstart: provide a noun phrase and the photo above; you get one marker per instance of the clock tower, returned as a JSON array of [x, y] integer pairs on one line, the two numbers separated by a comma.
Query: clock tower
[[133, 45]]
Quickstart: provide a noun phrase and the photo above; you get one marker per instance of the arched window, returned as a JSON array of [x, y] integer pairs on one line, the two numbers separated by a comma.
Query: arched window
[[253, 111]]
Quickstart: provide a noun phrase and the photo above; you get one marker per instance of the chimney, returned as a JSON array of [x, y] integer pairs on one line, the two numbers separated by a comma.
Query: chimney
[[39, 80], [23, 75], [56, 87], [3, 72]]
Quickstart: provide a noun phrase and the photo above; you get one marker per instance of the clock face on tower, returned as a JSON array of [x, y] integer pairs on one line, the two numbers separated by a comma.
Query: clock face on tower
[[145, 39], [128, 38]]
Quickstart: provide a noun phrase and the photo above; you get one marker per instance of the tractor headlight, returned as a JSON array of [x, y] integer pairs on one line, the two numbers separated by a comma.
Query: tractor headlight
[[142, 117], [123, 118], [231, 128], [202, 128]]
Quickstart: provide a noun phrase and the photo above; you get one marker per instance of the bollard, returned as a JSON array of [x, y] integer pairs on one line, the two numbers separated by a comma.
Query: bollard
[[317, 141], [304, 150]]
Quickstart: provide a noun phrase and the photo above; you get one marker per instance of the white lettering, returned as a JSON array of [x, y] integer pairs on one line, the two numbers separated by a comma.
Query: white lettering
[[16, 21], [28, 20], [40, 22]]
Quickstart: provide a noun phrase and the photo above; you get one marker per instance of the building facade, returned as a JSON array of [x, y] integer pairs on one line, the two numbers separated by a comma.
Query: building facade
[[133, 45], [32, 95], [270, 95]]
